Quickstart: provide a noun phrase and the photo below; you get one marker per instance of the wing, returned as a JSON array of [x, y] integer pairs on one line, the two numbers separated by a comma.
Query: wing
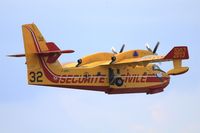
[[177, 53]]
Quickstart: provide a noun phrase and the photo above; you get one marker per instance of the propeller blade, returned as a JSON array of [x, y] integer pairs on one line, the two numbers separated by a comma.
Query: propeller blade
[[148, 47], [122, 48], [113, 50], [156, 47]]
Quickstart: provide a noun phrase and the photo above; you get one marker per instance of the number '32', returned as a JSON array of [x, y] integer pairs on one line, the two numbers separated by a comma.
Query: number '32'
[[36, 76]]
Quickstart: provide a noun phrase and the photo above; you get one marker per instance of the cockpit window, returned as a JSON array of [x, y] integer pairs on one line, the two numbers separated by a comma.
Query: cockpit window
[[155, 67]]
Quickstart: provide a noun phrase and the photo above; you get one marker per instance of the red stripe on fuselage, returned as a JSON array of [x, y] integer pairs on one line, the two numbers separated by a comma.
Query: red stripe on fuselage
[[47, 71]]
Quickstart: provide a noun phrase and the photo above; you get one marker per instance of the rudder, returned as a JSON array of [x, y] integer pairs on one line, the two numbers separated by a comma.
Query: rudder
[[38, 70]]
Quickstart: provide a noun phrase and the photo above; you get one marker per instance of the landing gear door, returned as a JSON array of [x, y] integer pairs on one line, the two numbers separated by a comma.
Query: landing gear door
[[115, 79]]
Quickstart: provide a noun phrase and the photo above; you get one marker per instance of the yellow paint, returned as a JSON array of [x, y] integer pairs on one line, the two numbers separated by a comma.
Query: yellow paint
[[94, 69]]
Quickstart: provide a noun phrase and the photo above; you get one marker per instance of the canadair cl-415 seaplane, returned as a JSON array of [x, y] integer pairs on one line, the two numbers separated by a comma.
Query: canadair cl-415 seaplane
[[130, 71]]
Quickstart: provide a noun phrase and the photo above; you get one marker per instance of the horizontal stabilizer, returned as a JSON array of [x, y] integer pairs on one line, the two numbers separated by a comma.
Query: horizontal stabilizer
[[17, 55], [46, 53], [53, 52]]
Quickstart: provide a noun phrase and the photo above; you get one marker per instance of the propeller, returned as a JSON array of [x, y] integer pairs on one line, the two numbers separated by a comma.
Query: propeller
[[155, 48], [148, 47], [113, 50], [121, 50]]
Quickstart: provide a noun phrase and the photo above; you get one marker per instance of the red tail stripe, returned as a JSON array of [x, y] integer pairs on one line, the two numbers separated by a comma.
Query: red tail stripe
[[48, 73]]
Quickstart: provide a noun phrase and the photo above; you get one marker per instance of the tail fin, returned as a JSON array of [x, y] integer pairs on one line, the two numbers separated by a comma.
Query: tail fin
[[41, 57], [43, 68], [177, 54]]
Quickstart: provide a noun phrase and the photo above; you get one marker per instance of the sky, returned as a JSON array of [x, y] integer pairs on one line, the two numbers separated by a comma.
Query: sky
[[87, 27]]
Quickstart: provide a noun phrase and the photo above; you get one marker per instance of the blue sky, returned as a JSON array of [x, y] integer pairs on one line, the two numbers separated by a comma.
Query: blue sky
[[87, 27]]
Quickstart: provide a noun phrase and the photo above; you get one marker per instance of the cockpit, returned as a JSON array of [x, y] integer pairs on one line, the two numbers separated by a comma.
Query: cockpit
[[157, 68]]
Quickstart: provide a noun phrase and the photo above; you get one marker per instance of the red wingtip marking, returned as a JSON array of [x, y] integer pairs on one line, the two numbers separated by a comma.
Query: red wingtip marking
[[180, 52]]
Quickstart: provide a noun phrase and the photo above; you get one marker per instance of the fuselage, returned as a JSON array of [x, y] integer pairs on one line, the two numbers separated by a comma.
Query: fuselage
[[90, 74], [113, 79], [120, 72]]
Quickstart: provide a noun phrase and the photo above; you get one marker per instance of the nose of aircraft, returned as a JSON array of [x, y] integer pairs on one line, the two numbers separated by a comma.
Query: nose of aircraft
[[165, 79]]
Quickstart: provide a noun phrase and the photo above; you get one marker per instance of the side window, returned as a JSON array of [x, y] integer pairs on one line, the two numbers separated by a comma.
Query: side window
[[155, 67]]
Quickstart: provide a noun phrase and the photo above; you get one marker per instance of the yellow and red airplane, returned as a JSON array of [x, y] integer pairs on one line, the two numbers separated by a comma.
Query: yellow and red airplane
[[130, 71]]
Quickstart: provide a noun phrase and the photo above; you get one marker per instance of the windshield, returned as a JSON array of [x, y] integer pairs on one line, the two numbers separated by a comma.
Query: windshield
[[156, 67]]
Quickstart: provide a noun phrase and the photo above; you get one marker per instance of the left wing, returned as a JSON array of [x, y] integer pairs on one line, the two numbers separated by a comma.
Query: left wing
[[177, 54]]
